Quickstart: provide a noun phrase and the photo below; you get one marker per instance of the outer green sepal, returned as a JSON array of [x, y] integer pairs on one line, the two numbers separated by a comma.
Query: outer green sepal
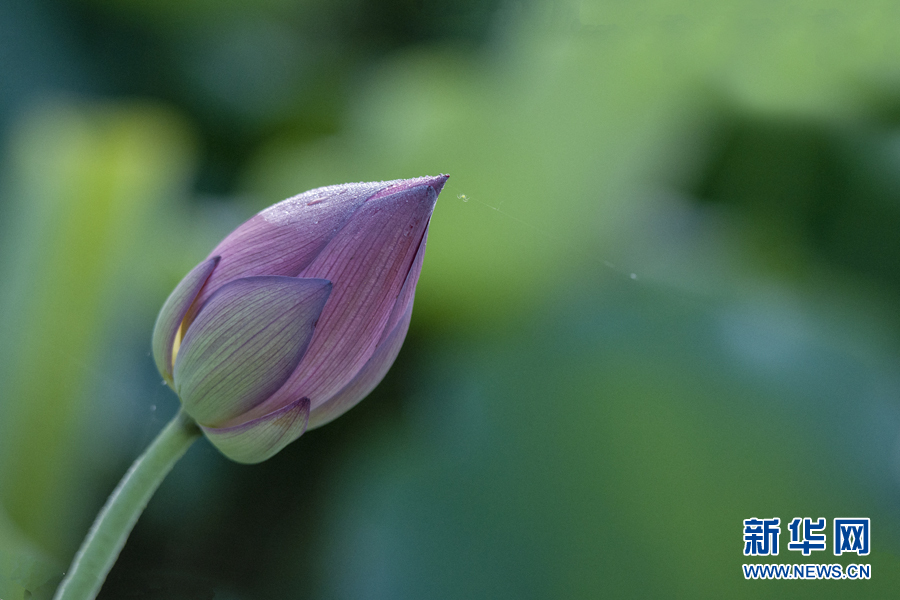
[[260, 439], [247, 340]]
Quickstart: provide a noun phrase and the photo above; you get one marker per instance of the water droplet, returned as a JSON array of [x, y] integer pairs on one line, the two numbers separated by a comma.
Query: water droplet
[[634, 275]]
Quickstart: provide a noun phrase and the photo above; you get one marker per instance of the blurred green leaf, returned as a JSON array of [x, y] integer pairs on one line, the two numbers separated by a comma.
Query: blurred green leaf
[[583, 108], [82, 183], [26, 571]]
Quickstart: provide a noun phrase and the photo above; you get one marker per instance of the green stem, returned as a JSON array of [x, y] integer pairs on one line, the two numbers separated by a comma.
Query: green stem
[[104, 541]]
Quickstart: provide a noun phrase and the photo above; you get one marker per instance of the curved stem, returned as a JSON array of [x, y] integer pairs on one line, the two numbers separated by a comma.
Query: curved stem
[[104, 541]]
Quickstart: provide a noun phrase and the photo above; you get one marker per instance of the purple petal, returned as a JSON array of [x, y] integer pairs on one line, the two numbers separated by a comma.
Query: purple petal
[[173, 312], [368, 262], [244, 344], [260, 439], [285, 238], [385, 354], [367, 378], [408, 292]]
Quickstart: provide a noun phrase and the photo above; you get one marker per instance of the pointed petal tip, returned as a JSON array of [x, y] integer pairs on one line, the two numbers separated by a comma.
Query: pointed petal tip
[[437, 183], [404, 185]]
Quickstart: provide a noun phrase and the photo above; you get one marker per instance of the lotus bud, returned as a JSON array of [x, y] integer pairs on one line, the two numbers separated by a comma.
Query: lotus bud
[[297, 314]]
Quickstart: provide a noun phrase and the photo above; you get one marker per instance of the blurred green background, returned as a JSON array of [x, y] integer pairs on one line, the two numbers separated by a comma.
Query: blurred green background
[[660, 293]]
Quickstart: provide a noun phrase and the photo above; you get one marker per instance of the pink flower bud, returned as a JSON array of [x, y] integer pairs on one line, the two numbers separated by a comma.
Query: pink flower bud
[[297, 314]]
